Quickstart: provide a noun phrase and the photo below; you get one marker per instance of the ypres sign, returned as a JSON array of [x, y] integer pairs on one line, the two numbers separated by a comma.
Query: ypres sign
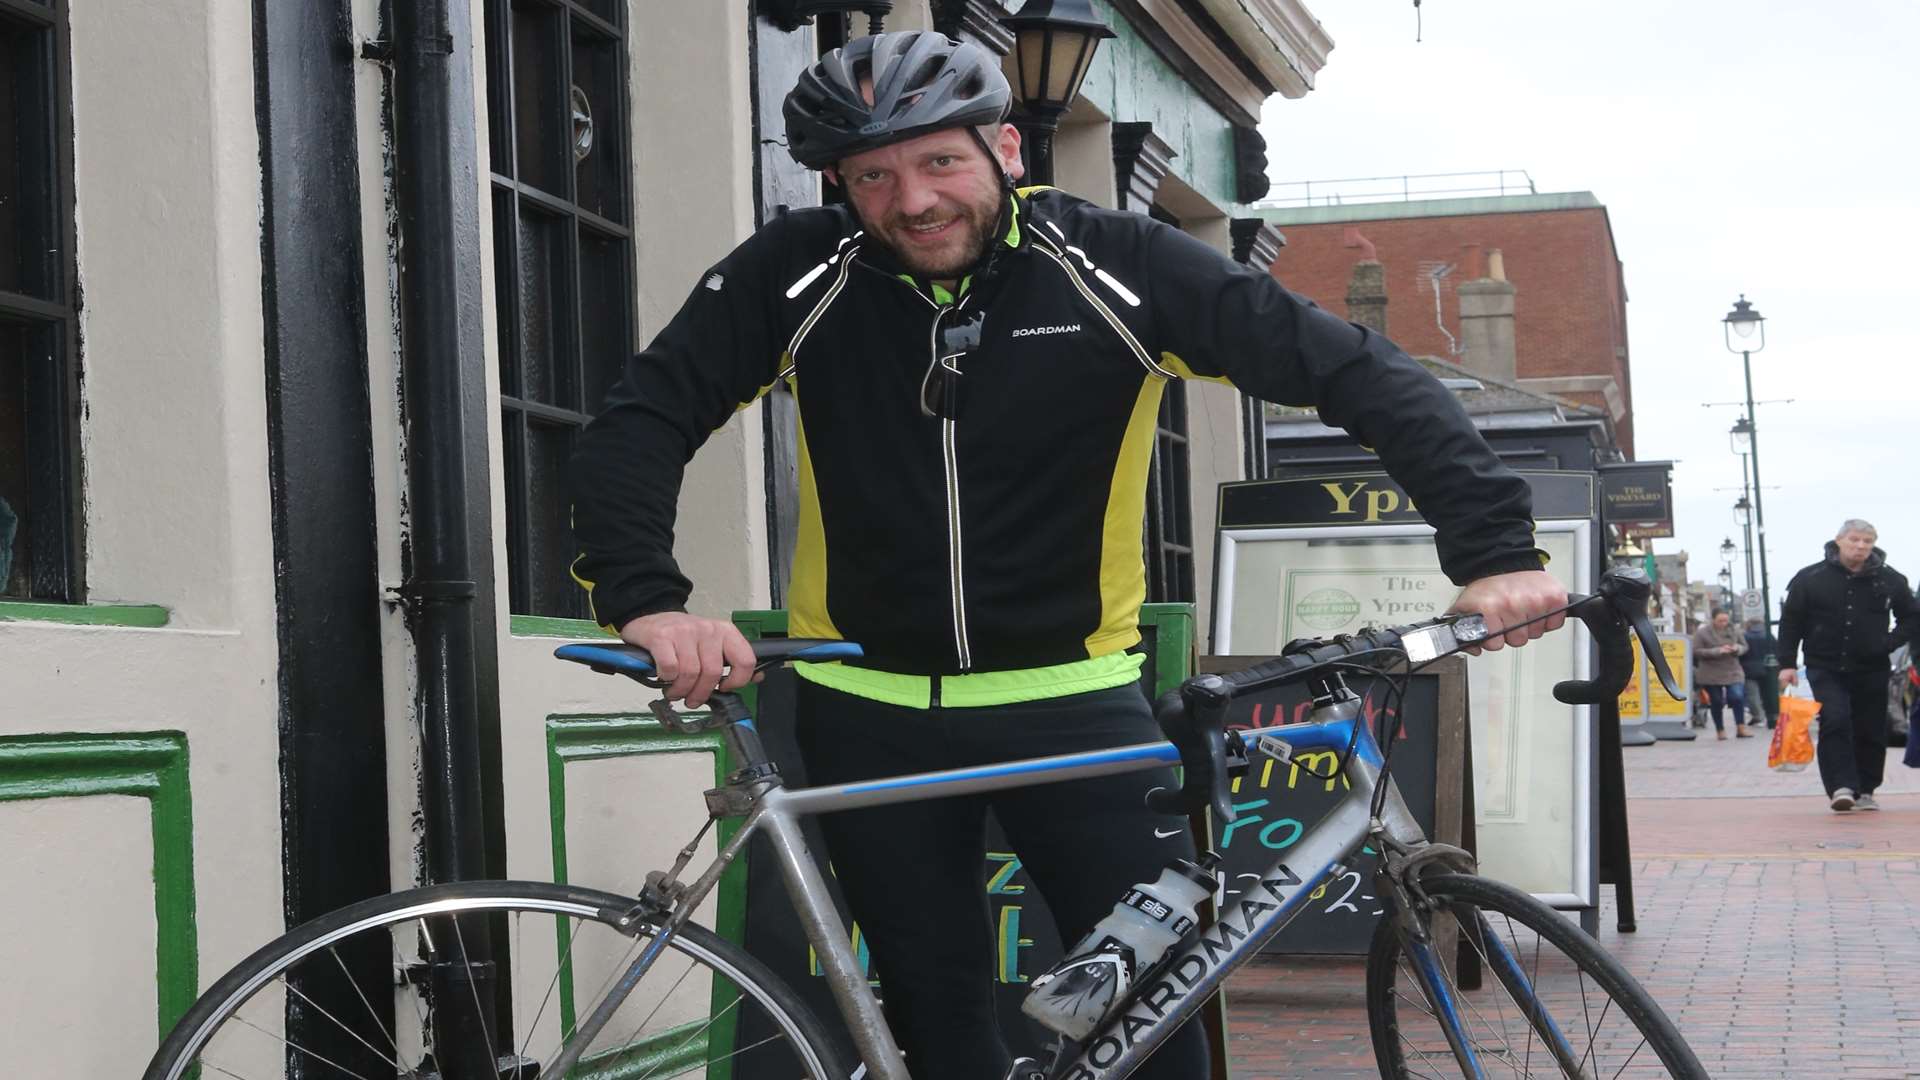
[[1639, 496], [1374, 499]]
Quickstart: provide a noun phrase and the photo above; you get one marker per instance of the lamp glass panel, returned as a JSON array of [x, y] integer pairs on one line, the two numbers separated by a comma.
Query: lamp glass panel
[[1070, 53], [1743, 440], [1031, 51], [1744, 328]]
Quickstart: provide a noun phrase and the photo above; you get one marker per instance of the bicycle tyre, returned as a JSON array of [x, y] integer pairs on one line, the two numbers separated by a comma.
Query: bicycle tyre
[[179, 1055], [1521, 925]]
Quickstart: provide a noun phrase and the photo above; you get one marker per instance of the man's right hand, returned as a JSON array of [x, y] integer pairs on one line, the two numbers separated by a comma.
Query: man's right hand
[[693, 655], [1789, 676]]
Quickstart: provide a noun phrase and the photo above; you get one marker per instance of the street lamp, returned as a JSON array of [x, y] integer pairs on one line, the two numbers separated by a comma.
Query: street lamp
[[1054, 43], [1743, 512], [1746, 334], [1726, 588], [1726, 551], [1741, 437]]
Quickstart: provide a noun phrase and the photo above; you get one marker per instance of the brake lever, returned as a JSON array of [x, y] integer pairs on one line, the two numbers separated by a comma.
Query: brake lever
[[1619, 602], [1656, 656]]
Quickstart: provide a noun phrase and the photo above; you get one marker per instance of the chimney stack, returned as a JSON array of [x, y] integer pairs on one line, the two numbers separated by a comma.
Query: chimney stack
[[1367, 287], [1486, 322]]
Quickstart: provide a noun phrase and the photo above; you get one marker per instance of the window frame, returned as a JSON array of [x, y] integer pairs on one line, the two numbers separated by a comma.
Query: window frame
[[52, 534], [512, 197]]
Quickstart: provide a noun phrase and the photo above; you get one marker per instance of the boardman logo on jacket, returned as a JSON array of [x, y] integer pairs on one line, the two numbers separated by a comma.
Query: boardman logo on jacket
[[1030, 331]]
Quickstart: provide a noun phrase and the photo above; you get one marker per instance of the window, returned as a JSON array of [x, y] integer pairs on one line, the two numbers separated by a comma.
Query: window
[[39, 465], [1169, 505], [563, 262]]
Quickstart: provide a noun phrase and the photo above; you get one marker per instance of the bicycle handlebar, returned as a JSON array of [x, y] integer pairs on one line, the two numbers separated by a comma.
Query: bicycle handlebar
[[1193, 717]]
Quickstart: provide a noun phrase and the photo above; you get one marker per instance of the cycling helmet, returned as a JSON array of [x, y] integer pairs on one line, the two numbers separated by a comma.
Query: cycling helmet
[[923, 81]]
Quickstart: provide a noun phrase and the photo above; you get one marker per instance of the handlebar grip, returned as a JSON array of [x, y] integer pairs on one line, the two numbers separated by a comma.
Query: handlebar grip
[[1616, 656], [1620, 602], [1194, 719]]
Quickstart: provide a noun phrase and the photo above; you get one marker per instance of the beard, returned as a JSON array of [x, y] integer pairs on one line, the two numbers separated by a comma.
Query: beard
[[956, 252]]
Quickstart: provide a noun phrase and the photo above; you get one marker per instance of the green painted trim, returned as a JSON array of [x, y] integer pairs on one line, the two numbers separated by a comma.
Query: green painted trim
[[673, 1052], [1426, 208], [150, 765], [543, 626], [591, 737], [1168, 631], [141, 615]]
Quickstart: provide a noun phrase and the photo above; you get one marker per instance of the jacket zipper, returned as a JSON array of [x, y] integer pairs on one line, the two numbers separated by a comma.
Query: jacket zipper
[[963, 652]]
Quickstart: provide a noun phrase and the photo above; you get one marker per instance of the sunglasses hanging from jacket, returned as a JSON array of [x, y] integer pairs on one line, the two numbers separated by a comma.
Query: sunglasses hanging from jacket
[[940, 387]]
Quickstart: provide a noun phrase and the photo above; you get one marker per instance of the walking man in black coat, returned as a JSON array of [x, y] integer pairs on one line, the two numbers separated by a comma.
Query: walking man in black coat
[[1838, 609]]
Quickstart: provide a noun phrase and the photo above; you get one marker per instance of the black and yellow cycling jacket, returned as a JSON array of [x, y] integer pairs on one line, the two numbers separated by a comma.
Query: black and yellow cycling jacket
[[991, 521]]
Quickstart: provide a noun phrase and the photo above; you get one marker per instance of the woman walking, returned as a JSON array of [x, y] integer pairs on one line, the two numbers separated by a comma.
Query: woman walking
[[1717, 648]]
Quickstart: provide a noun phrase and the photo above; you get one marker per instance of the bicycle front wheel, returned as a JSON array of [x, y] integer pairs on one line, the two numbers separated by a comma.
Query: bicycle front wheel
[[487, 981], [1524, 991]]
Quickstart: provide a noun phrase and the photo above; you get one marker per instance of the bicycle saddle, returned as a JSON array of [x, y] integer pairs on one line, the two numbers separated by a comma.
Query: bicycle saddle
[[619, 658]]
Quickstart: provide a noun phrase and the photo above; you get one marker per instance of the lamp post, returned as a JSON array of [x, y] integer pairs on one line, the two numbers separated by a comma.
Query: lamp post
[[1746, 334], [1726, 589], [1741, 439], [1743, 517], [1054, 43]]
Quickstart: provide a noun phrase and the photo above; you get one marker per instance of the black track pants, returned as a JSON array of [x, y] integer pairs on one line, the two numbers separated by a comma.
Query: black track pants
[[912, 873], [1853, 728]]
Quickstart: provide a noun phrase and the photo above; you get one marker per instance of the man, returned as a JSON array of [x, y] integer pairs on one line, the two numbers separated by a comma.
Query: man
[[978, 372], [1753, 666], [1838, 608]]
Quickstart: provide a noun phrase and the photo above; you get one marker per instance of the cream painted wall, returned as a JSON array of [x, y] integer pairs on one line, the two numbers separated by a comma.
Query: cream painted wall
[[167, 186], [79, 923], [693, 189]]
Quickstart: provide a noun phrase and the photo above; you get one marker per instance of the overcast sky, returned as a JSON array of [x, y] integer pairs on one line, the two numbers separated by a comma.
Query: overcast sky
[[1756, 147]]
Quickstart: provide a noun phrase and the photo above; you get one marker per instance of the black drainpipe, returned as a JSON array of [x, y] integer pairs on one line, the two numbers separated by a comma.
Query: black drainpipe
[[440, 589]]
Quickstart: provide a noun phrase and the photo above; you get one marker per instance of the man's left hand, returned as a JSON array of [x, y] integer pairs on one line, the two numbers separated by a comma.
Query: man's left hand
[[1509, 600]]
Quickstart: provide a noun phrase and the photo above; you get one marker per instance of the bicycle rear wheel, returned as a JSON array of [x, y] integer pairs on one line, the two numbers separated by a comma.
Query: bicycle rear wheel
[[395, 987], [1547, 1000]]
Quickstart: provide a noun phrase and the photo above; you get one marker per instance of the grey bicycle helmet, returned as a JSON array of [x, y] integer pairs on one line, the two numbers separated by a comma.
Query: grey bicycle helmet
[[923, 81]]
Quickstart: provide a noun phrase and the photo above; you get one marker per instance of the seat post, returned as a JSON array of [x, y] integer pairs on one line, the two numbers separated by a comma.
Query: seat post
[[743, 739]]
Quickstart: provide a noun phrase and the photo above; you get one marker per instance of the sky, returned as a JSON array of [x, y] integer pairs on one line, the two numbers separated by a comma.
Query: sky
[[1764, 147]]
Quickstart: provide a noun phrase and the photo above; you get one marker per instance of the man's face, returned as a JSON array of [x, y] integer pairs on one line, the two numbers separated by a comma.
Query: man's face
[[934, 200], [1854, 548]]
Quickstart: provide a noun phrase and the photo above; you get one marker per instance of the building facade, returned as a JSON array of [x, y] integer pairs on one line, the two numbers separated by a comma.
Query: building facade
[[301, 308], [1545, 262]]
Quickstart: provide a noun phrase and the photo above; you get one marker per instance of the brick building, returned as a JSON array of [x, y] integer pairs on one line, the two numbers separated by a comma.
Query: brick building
[[1555, 322]]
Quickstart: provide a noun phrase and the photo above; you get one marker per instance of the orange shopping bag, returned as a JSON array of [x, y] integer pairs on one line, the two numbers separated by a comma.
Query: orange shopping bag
[[1792, 748]]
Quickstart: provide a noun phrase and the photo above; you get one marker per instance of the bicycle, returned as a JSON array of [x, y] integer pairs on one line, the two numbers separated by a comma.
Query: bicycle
[[299, 1004]]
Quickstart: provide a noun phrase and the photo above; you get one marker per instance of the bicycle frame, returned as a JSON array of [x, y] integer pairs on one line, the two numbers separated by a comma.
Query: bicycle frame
[[1180, 986]]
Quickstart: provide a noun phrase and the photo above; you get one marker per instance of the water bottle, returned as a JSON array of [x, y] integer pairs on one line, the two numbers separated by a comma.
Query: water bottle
[[1099, 973]]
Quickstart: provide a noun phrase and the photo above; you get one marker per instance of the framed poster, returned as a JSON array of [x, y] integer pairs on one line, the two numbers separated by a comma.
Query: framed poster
[[1533, 756]]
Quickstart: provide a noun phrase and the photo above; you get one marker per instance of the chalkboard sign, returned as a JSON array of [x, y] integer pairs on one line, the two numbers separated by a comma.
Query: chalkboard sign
[[1277, 804]]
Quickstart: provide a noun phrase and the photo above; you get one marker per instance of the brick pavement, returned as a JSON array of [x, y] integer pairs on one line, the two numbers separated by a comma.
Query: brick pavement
[[1782, 938]]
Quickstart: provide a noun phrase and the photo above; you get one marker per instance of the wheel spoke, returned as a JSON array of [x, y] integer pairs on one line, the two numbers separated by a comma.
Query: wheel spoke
[[371, 1012], [291, 1045], [696, 1033], [479, 1014], [563, 968], [357, 1037]]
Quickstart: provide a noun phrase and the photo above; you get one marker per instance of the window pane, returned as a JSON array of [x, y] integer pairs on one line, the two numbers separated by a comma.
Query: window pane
[[539, 105], [550, 540], [499, 87], [26, 361], [604, 312], [609, 10], [506, 279], [546, 309], [596, 79], [29, 250]]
